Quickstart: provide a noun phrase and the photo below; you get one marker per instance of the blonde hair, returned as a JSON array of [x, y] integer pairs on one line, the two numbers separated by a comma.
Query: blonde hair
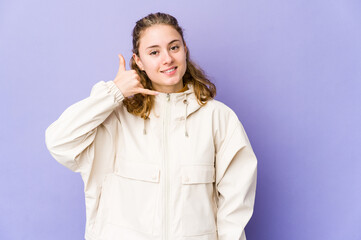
[[141, 105]]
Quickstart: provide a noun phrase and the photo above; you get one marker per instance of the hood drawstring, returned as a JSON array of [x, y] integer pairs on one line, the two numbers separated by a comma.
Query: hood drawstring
[[144, 131], [185, 101]]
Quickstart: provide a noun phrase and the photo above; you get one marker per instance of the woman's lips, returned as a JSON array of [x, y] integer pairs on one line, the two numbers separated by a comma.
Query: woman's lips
[[171, 73]]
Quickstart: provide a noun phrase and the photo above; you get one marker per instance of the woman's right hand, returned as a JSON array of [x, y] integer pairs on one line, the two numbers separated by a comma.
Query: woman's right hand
[[128, 82]]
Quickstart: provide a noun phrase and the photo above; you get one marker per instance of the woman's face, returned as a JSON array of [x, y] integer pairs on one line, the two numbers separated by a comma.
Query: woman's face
[[161, 48]]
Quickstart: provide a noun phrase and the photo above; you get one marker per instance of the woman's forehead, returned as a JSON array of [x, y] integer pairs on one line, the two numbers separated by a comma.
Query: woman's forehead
[[158, 35]]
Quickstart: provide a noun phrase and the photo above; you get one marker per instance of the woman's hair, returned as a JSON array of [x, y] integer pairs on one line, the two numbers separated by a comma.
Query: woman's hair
[[140, 104]]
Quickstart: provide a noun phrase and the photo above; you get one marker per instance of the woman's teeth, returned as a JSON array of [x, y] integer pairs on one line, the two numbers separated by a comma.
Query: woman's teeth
[[170, 70]]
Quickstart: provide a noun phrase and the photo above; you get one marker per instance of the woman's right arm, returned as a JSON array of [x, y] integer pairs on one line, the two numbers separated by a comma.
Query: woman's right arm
[[76, 128]]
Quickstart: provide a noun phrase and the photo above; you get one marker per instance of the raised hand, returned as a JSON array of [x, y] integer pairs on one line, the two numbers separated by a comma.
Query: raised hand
[[128, 82]]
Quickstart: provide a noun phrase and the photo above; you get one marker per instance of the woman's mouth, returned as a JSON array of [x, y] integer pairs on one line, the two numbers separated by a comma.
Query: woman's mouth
[[170, 71]]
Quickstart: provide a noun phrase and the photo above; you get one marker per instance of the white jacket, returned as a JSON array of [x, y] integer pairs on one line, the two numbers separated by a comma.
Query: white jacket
[[186, 173]]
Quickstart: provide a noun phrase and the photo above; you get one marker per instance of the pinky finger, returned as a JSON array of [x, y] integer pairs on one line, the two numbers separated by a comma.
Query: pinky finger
[[147, 91]]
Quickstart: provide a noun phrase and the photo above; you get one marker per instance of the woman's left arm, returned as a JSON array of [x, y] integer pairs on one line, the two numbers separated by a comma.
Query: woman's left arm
[[236, 176]]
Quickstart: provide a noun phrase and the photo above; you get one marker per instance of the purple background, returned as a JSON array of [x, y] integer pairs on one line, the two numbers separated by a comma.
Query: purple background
[[291, 70]]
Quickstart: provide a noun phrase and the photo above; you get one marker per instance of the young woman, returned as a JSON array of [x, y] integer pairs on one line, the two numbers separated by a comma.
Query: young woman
[[160, 158]]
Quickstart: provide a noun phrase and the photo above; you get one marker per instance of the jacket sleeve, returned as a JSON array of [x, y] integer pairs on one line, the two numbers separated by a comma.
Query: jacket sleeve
[[75, 130], [236, 174]]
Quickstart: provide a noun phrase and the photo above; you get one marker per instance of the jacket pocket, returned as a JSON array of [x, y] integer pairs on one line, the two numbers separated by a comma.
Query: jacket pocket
[[134, 196], [198, 215]]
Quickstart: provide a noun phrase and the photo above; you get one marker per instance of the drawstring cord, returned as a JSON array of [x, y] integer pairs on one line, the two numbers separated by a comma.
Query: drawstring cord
[[185, 101], [144, 131]]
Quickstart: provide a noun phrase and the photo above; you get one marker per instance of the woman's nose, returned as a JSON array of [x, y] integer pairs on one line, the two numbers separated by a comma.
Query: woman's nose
[[167, 58]]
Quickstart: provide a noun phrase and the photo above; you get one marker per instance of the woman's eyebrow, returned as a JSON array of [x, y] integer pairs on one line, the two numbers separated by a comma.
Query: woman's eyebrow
[[168, 44]]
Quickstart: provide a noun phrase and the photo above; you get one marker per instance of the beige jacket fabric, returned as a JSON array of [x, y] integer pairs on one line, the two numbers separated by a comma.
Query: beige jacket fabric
[[186, 173]]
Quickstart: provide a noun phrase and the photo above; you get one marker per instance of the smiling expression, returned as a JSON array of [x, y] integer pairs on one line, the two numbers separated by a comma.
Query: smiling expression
[[160, 49]]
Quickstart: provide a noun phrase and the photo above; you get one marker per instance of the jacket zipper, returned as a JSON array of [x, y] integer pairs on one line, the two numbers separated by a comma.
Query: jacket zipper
[[166, 170]]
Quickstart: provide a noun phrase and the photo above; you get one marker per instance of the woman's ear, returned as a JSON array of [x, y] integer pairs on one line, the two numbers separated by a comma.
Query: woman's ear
[[138, 61]]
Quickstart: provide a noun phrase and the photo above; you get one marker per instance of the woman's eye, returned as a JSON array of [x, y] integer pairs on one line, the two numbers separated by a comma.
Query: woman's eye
[[174, 47], [153, 52]]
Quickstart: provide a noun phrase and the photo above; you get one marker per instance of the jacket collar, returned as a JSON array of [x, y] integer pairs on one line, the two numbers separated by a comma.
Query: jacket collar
[[185, 103], [181, 100]]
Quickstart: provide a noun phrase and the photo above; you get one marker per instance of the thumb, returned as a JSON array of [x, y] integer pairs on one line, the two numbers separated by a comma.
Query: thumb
[[121, 63]]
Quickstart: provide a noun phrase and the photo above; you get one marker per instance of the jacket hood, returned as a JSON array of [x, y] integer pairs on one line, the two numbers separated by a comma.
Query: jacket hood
[[185, 104]]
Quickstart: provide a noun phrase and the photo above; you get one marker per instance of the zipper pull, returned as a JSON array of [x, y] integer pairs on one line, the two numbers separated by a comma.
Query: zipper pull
[[168, 97]]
